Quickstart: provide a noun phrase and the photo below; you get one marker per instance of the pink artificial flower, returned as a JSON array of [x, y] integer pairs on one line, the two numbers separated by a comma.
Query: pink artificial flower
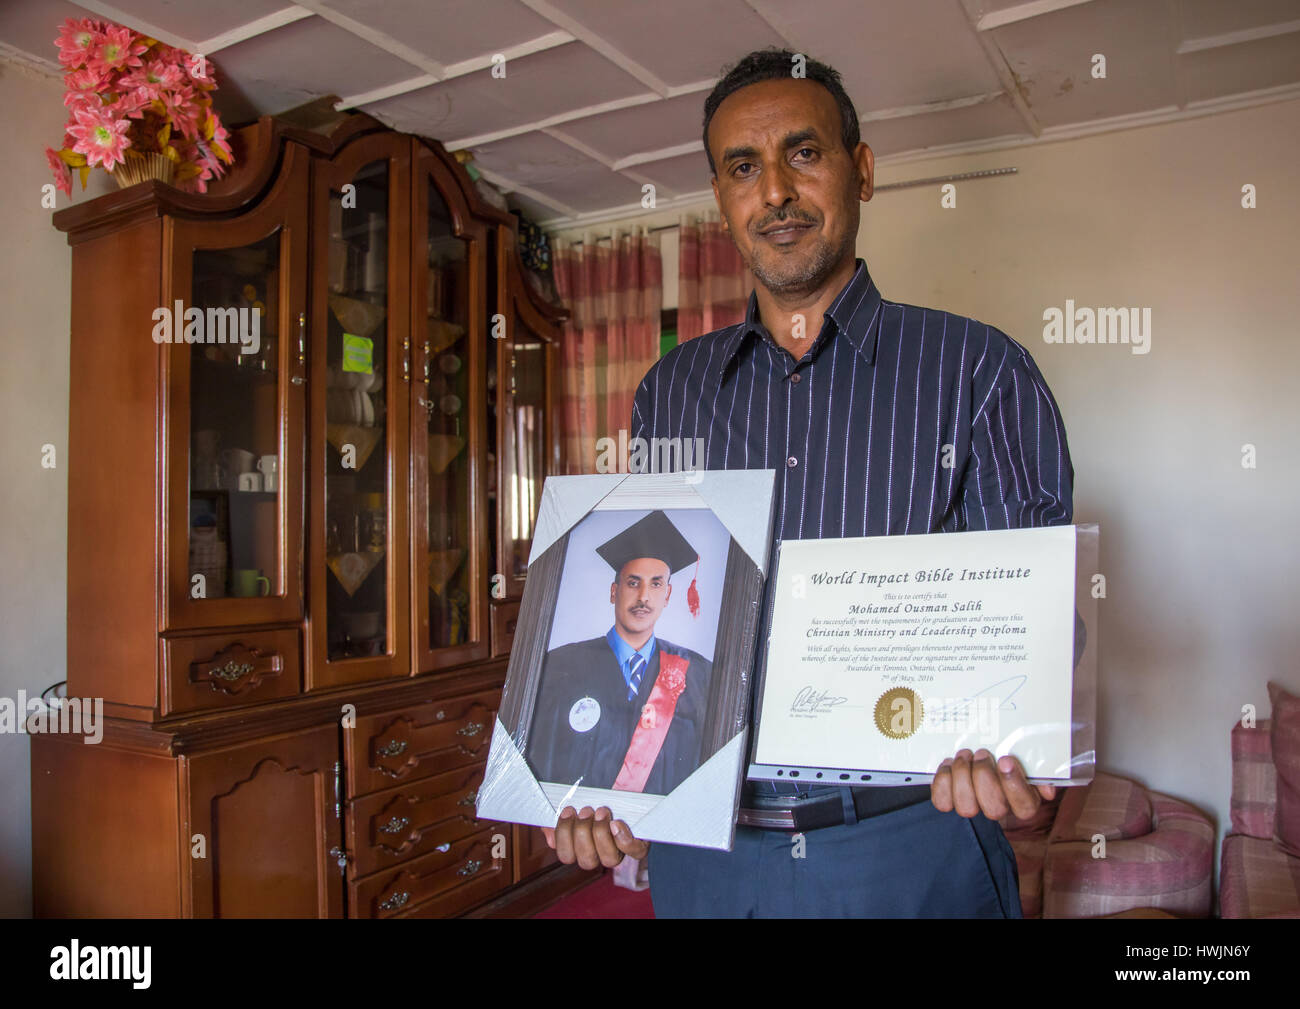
[[218, 139], [83, 86], [118, 49], [152, 79], [77, 40], [181, 107], [62, 173], [131, 104], [100, 136]]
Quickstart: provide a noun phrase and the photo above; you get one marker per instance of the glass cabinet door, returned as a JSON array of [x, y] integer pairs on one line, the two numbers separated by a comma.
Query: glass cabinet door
[[525, 371], [449, 521], [360, 375], [231, 327]]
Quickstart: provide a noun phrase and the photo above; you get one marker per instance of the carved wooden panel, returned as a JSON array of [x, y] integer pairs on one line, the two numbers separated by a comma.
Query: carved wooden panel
[[262, 821]]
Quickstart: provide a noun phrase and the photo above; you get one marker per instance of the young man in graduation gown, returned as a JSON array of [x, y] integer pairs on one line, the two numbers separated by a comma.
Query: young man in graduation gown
[[626, 710]]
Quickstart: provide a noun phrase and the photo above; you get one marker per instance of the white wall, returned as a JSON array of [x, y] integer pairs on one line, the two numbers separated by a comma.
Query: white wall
[[1200, 554], [35, 278]]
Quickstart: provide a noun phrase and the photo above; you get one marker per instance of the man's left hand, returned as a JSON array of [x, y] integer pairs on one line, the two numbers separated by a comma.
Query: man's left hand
[[973, 784]]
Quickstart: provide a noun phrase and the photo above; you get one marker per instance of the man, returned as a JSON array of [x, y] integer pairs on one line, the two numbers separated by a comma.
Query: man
[[626, 710], [880, 418]]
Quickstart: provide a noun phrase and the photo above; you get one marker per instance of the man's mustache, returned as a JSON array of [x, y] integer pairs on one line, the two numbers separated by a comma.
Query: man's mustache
[[784, 217]]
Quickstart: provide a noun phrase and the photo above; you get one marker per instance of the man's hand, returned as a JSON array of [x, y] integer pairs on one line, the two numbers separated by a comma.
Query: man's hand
[[976, 785], [592, 839]]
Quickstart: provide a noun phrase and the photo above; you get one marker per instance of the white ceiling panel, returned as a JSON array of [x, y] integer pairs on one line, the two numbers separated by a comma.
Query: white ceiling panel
[[1054, 66], [650, 127], [907, 134], [1251, 66], [531, 159], [1206, 18], [677, 40], [687, 173], [448, 31], [545, 84], [299, 62], [889, 53]]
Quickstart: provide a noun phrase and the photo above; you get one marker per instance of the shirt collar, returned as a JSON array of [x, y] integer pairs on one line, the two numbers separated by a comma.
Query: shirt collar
[[623, 651], [853, 313]]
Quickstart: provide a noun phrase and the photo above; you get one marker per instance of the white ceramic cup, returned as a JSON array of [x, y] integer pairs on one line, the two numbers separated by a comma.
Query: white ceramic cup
[[269, 465]]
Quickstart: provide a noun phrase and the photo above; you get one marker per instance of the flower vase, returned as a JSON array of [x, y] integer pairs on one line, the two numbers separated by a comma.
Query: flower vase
[[141, 168]]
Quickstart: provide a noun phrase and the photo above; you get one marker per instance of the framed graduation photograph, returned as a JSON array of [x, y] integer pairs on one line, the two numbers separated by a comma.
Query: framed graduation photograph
[[629, 679]]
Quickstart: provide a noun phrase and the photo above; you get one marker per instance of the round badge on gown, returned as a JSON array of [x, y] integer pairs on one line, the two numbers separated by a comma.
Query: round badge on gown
[[584, 714]]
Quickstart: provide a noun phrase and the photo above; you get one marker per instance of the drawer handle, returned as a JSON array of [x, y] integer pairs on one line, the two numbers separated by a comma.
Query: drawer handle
[[444, 847], [469, 868], [472, 729], [469, 799], [393, 748], [236, 669], [396, 825], [231, 671], [395, 901]]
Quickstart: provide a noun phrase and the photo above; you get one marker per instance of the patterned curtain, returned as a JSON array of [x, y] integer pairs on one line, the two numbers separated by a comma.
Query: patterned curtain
[[614, 292], [713, 283]]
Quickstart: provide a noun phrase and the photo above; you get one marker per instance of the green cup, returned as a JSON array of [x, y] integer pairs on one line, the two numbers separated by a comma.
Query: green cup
[[248, 582]]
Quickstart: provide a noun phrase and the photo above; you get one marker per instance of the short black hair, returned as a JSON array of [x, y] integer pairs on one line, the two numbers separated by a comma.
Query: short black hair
[[776, 64]]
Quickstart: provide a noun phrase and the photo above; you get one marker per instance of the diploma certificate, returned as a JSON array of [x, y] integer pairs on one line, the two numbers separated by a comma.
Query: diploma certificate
[[887, 654]]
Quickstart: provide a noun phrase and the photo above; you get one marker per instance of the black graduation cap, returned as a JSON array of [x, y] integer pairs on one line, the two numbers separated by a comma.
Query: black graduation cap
[[654, 536]]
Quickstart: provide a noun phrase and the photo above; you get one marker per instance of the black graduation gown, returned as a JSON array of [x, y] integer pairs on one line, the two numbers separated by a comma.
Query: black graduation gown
[[558, 752]]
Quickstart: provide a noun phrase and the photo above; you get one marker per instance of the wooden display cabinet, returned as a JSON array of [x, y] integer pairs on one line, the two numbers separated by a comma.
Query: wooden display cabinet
[[282, 543]]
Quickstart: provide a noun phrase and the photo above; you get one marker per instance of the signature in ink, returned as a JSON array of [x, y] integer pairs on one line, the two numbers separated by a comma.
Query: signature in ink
[[815, 702]]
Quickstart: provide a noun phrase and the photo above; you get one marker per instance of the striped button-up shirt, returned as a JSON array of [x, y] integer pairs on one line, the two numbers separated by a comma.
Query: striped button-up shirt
[[895, 420]]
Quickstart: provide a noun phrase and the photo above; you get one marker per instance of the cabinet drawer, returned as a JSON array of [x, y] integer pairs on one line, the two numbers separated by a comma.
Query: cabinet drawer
[[461, 876], [399, 823], [419, 741], [504, 618], [223, 670]]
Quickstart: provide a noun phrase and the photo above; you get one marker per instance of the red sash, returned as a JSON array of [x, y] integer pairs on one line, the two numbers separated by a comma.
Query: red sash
[[656, 718]]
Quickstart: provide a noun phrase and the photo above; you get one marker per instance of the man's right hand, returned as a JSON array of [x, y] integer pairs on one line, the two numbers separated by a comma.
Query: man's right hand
[[592, 839]]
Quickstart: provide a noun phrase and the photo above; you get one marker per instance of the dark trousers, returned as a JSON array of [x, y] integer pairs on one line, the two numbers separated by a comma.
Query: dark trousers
[[915, 862]]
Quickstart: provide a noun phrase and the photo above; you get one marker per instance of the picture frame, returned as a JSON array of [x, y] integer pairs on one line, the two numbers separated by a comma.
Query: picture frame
[[664, 748]]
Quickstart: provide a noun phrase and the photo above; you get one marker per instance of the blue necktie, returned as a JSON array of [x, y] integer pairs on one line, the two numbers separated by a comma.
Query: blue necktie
[[637, 663]]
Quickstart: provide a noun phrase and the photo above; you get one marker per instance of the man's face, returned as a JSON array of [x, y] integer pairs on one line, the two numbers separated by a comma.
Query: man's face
[[787, 189], [640, 593]]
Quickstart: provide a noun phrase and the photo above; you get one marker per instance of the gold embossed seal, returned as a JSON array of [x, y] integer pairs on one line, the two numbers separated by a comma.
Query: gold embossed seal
[[899, 712]]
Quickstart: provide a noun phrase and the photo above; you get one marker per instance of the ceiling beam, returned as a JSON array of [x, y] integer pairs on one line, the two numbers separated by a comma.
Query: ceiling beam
[[947, 105], [129, 20], [244, 32], [1238, 37], [1022, 12], [998, 61], [555, 120]]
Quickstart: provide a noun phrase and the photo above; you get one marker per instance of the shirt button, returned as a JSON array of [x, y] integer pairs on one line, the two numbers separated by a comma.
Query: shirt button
[[792, 462], [795, 377]]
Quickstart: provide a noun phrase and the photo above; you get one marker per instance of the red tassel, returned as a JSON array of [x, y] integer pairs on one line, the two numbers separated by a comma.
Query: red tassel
[[692, 594]]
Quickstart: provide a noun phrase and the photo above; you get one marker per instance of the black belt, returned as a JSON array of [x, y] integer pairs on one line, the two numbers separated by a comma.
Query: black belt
[[826, 809]]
